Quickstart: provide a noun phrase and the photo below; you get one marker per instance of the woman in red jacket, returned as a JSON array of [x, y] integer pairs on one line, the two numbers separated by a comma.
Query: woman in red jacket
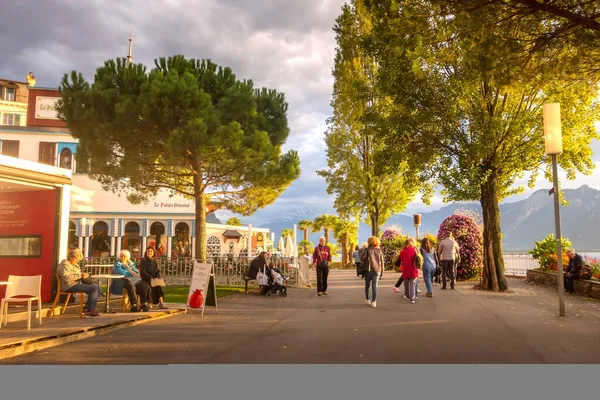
[[409, 272]]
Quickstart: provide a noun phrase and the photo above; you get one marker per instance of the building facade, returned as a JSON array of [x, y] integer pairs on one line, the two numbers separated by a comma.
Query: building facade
[[101, 223]]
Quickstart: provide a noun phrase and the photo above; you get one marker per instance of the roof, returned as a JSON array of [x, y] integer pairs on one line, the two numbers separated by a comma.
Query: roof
[[229, 233]]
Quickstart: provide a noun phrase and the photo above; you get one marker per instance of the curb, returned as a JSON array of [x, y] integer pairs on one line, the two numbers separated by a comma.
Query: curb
[[28, 346]]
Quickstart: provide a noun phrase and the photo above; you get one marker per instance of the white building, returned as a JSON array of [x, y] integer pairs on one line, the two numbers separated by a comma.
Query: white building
[[102, 223]]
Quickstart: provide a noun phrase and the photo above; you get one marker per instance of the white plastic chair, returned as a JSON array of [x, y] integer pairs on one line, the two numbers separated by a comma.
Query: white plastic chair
[[22, 286]]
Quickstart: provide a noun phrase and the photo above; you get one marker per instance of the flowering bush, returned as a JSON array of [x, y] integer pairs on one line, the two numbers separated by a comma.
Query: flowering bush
[[595, 264], [545, 252], [392, 241], [468, 235]]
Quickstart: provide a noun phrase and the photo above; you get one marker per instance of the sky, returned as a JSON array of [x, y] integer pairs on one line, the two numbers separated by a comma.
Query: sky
[[288, 45]]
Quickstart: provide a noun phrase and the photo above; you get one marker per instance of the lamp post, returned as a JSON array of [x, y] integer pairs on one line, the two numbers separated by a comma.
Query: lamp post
[[417, 223], [553, 141]]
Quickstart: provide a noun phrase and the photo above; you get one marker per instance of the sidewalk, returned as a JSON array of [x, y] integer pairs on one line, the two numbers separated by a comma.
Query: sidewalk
[[15, 339]]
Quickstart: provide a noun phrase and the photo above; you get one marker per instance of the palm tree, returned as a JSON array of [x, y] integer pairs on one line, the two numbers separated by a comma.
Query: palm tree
[[286, 232], [325, 222], [306, 246], [343, 230], [305, 225], [234, 221]]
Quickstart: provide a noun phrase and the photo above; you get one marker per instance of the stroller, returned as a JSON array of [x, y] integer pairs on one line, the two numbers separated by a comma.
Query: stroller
[[272, 281]]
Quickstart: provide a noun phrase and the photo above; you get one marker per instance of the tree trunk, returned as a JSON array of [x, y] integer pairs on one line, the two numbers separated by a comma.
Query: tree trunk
[[306, 234], [493, 262], [326, 231], [200, 227], [374, 225], [344, 249]]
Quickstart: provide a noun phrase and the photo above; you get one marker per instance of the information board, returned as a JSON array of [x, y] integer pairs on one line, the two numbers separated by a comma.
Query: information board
[[203, 278]]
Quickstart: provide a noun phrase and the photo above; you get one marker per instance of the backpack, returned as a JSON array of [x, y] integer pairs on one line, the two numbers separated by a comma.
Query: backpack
[[365, 263], [419, 260], [586, 272]]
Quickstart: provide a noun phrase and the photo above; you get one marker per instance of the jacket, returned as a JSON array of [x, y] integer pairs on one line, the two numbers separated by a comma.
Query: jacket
[[321, 253], [376, 261], [149, 269], [448, 250], [575, 265], [258, 264], [116, 286], [69, 274], [407, 258]]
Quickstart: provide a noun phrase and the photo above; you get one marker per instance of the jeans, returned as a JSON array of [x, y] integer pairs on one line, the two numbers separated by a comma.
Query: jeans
[[447, 269], [357, 266], [428, 272], [569, 278], [93, 291], [322, 274], [410, 288], [371, 279]]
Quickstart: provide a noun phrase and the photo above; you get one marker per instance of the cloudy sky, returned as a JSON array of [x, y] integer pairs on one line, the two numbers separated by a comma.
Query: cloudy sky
[[283, 44]]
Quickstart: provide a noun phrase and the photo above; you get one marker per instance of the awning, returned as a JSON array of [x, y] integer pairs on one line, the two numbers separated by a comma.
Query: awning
[[232, 234]]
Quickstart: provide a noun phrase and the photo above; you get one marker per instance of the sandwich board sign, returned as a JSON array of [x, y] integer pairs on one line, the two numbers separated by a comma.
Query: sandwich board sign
[[203, 278]]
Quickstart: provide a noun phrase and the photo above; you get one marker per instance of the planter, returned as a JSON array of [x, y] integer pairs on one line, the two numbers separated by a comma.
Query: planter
[[582, 287]]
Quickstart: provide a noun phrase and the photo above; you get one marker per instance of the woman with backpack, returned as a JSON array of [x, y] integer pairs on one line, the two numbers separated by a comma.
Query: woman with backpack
[[429, 264], [372, 259]]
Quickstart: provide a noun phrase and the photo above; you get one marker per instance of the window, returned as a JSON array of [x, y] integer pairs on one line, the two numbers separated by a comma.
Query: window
[[10, 148], [9, 94], [213, 247], [21, 246], [11, 119], [66, 159], [47, 155]]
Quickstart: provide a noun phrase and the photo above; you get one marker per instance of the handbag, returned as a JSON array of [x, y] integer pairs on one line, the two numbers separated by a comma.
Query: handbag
[[154, 282]]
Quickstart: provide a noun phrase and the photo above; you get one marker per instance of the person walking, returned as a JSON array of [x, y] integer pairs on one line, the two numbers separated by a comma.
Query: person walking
[[357, 261], [410, 273], [448, 253], [321, 260], [429, 264], [396, 287], [374, 259]]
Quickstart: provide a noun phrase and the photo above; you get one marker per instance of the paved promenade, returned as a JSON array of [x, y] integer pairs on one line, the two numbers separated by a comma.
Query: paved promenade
[[455, 326]]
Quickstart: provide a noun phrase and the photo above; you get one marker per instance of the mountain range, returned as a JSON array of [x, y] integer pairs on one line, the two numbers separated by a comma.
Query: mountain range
[[523, 222]]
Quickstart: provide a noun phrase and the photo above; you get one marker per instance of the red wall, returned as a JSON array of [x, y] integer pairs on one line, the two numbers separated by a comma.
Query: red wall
[[31, 119], [36, 215]]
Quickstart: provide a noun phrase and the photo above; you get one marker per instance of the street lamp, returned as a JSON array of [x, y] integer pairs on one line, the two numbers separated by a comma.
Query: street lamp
[[553, 141], [417, 223]]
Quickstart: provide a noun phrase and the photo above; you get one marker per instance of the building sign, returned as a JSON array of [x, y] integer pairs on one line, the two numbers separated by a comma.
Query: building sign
[[45, 107]]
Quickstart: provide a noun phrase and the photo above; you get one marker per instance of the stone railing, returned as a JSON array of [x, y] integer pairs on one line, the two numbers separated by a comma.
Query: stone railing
[[229, 270], [584, 287]]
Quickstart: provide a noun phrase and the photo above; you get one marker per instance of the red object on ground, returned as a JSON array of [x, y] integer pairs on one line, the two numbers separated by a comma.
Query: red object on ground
[[196, 299]]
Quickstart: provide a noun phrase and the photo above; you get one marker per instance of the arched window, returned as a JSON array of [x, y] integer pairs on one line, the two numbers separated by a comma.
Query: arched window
[[157, 238], [213, 247], [132, 240], [66, 159], [181, 245], [100, 239], [73, 239]]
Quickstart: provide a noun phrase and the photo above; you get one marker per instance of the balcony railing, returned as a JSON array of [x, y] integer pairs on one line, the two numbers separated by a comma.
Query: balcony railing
[[229, 270]]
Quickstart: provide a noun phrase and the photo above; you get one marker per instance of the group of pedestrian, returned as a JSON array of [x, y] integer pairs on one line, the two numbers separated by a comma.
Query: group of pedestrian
[[369, 262]]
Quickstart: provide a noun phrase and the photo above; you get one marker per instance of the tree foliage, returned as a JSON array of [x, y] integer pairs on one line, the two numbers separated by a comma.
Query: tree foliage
[[326, 222], [362, 186], [188, 126], [345, 231], [234, 221], [470, 112]]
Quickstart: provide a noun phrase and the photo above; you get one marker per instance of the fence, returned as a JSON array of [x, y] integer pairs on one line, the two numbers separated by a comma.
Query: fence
[[229, 270], [518, 264]]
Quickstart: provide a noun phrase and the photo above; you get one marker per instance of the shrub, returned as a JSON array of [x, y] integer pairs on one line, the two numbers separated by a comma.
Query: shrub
[[468, 235], [392, 241], [595, 264], [545, 252]]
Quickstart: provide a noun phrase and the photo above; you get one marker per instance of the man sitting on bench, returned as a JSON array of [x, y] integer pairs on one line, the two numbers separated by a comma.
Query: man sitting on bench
[[572, 271]]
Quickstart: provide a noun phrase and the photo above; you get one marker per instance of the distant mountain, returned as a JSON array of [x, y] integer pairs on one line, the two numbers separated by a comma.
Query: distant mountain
[[523, 222]]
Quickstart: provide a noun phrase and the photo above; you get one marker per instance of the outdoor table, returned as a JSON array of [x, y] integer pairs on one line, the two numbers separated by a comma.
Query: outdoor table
[[108, 277]]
